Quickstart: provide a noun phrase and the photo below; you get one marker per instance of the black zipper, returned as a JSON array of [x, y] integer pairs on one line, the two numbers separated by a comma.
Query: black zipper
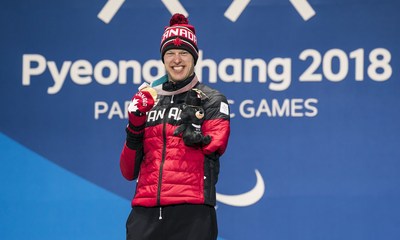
[[164, 152]]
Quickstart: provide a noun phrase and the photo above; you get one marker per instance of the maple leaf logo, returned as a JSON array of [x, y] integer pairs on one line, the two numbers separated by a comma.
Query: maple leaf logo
[[133, 105], [177, 42]]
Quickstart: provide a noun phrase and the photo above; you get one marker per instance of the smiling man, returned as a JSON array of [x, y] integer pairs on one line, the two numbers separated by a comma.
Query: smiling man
[[176, 181]]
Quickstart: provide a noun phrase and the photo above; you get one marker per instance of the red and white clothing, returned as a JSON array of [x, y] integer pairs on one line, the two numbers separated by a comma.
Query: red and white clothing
[[169, 172]]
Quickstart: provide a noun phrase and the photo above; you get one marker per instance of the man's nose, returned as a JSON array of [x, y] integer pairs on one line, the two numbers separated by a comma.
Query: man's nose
[[177, 58]]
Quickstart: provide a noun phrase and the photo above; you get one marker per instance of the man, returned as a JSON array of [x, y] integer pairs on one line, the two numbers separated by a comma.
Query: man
[[175, 192]]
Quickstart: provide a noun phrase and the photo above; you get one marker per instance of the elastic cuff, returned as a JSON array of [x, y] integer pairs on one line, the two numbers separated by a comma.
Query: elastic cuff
[[134, 140], [135, 129]]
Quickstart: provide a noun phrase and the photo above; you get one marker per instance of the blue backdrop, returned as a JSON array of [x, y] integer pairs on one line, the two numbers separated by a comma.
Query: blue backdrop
[[314, 92]]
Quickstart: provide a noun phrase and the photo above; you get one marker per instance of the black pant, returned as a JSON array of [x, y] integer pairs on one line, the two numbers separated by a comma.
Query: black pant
[[178, 222]]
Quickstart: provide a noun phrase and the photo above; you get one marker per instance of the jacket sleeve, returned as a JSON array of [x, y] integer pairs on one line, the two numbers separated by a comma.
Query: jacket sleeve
[[132, 151], [216, 124]]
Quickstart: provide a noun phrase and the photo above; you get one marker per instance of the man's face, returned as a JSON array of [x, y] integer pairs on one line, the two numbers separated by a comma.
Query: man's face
[[179, 64]]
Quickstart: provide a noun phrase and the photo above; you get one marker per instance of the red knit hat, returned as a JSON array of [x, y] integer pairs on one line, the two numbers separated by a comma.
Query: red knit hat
[[179, 35]]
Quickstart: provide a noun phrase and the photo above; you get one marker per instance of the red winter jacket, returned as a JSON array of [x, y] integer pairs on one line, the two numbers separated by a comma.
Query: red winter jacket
[[169, 172]]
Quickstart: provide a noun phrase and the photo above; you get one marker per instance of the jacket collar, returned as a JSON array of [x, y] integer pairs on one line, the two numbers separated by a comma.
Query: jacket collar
[[186, 85]]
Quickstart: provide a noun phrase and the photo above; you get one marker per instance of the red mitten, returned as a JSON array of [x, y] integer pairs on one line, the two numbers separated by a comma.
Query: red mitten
[[143, 101]]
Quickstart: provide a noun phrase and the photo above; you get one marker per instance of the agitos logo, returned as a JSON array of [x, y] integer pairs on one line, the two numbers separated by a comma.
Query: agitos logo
[[233, 12]]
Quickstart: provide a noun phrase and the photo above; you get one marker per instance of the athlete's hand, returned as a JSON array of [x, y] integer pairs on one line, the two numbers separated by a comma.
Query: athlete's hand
[[142, 101]]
